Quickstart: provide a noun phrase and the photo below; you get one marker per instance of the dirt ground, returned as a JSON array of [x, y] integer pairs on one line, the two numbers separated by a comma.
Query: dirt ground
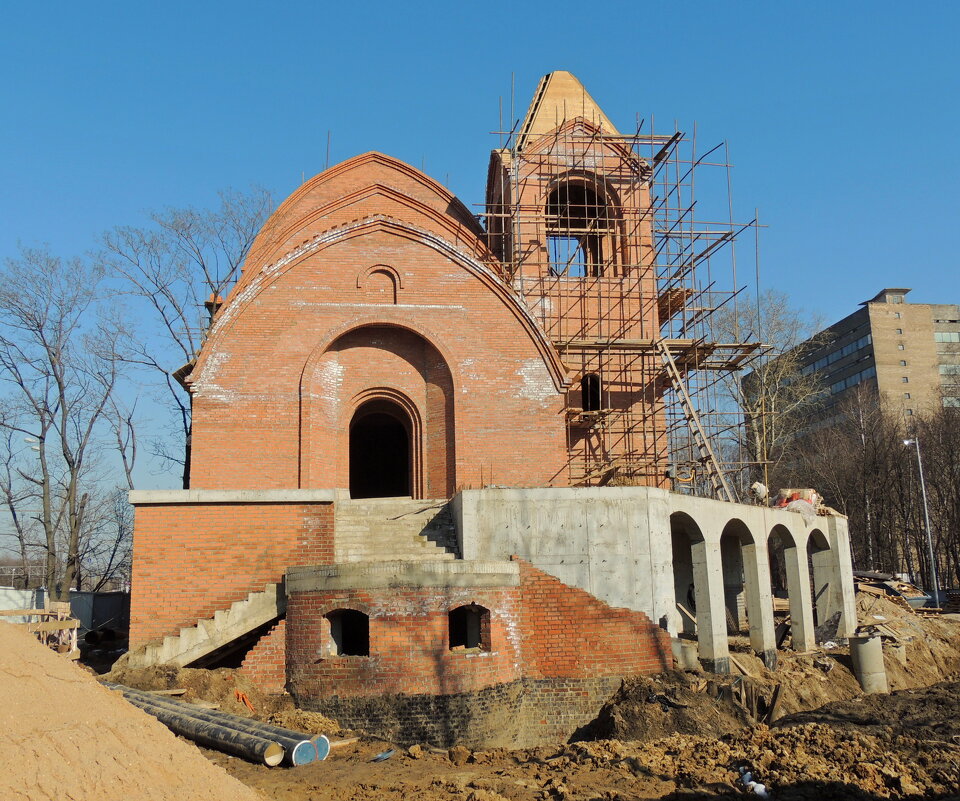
[[680, 735], [665, 737], [905, 751]]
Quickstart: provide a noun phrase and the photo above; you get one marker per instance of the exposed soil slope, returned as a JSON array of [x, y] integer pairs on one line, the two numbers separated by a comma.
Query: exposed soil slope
[[66, 737]]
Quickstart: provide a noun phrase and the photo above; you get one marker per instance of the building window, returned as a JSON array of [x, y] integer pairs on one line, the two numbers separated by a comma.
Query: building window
[[899, 330], [906, 395], [581, 230], [903, 362], [953, 403], [946, 336], [469, 628], [909, 411], [905, 380], [349, 633], [897, 315], [590, 392], [567, 256], [896, 299], [900, 346]]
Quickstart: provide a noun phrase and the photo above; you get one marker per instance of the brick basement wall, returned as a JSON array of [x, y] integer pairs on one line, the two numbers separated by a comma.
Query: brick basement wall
[[409, 651], [520, 714], [557, 654], [266, 663], [192, 559]]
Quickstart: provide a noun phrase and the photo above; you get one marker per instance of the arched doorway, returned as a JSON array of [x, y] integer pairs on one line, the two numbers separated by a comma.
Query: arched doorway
[[381, 463]]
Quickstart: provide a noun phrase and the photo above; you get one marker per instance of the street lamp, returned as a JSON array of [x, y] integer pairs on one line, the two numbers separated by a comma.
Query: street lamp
[[915, 441]]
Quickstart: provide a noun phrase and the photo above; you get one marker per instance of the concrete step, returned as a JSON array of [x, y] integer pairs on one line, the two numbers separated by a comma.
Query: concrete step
[[209, 634], [397, 529]]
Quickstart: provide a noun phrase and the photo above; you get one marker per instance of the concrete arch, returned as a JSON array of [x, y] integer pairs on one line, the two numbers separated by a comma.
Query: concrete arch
[[821, 561], [797, 581], [746, 577], [698, 574]]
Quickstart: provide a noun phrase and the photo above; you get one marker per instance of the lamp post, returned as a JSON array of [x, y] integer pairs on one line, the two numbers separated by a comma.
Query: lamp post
[[915, 441]]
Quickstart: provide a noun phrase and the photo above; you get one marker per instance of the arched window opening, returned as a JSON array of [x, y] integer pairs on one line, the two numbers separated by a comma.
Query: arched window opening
[[580, 224], [469, 628], [349, 633], [590, 395]]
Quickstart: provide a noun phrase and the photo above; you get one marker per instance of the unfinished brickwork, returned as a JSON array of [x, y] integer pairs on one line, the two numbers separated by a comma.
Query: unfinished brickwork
[[547, 644], [192, 559], [431, 451]]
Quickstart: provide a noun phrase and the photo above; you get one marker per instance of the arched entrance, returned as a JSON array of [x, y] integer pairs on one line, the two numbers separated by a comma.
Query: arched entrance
[[381, 459]]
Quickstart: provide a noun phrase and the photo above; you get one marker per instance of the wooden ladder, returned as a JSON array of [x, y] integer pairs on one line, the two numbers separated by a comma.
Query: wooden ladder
[[718, 481]]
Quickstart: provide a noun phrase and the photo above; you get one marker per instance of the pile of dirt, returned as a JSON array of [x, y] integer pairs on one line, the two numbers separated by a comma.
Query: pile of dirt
[[224, 687], [792, 762], [928, 713], [648, 708], [65, 736], [308, 722]]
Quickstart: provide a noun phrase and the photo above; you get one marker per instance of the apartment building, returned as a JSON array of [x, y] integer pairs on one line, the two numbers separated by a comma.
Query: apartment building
[[908, 352]]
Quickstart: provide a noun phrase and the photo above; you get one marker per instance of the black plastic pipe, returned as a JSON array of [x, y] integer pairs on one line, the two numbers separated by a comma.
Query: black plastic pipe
[[212, 735], [300, 748]]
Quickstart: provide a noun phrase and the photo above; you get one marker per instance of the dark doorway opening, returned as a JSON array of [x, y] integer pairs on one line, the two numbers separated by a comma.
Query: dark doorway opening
[[380, 464]]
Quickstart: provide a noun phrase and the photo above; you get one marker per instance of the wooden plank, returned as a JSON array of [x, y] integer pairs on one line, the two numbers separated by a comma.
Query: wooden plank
[[685, 611], [736, 662], [177, 691], [51, 625], [351, 740], [18, 612], [774, 704]]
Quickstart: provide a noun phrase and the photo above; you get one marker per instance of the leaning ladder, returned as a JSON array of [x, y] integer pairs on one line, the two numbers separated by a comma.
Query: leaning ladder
[[718, 481]]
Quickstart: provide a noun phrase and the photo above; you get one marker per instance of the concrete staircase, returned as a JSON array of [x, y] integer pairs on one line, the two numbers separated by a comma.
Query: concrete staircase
[[394, 530], [226, 626]]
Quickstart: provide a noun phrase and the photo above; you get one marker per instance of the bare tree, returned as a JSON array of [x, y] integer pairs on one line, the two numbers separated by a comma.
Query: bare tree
[[59, 363], [777, 397], [184, 261]]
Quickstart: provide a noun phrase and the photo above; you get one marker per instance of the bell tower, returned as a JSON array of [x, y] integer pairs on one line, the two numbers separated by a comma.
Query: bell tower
[[569, 217]]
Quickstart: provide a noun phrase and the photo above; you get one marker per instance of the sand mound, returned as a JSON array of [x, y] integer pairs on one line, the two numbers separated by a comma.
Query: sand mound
[[66, 737]]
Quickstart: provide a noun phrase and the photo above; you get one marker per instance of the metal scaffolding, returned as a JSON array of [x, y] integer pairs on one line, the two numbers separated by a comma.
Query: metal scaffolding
[[635, 280]]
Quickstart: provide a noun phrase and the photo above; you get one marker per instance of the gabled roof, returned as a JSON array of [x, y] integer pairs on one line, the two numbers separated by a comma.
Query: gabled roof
[[560, 97]]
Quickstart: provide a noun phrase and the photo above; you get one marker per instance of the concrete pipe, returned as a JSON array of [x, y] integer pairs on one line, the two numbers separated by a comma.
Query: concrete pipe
[[299, 748], [866, 652]]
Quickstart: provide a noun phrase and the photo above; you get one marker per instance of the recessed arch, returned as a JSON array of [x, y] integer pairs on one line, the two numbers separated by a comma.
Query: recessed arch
[[380, 284], [406, 378]]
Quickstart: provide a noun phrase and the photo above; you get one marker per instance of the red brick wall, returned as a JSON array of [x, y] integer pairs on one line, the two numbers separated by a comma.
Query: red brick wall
[[539, 630], [275, 386], [192, 559], [409, 650], [569, 633], [266, 662]]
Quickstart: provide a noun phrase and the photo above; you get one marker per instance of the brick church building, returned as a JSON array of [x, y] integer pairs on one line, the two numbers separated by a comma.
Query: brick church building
[[403, 419]]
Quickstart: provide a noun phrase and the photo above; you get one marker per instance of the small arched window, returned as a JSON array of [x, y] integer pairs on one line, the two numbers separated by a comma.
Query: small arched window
[[590, 392], [349, 633], [469, 627]]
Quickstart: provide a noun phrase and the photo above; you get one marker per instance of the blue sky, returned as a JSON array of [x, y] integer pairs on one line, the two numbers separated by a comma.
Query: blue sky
[[841, 116]]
